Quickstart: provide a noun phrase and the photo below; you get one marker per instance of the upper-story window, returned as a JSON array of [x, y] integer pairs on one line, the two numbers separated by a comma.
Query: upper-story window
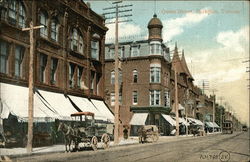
[[155, 48], [95, 49], [112, 98], [112, 53], [79, 77], [120, 76], [54, 29], [53, 69], [135, 98], [19, 54], [135, 76], [44, 22], [71, 75], [155, 96], [135, 51], [4, 57], [43, 64], [76, 43], [92, 81], [167, 99], [16, 12], [155, 73], [112, 77]]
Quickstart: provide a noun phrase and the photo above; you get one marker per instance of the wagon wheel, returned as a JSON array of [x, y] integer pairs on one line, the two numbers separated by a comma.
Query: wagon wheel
[[105, 140], [94, 142]]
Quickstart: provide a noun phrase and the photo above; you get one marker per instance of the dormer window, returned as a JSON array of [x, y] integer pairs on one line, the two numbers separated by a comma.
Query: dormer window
[[135, 51], [155, 48]]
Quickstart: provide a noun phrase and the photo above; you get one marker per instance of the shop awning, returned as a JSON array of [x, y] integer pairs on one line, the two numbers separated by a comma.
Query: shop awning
[[97, 107], [209, 124], [139, 119], [212, 124], [195, 121], [169, 119], [216, 125], [59, 103], [182, 121], [14, 100], [180, 107], [103, 109]]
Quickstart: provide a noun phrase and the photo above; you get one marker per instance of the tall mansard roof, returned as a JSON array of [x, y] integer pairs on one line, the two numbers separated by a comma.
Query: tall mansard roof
[[184, 64], [180, 63]]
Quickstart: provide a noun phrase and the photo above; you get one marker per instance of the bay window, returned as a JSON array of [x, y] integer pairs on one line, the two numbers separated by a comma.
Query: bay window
[[155, 96], [155, 74], [155, 48]]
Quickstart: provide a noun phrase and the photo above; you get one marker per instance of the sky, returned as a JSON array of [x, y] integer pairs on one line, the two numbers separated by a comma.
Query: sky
[[213, 34]]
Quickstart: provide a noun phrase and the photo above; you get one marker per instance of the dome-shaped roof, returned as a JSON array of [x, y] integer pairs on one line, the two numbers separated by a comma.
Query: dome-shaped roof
[[155, 22]]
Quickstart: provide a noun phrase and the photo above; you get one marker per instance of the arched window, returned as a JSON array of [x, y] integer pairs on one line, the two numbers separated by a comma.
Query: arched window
[[135, 76], [16, 13], [44, 22], [76, 43], [54, 29]]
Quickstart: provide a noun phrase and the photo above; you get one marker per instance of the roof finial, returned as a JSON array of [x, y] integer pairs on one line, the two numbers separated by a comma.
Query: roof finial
[[182, 53], [155, 8], [175, 45]]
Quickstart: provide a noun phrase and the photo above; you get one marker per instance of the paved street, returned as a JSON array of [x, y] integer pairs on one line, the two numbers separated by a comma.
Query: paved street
[[218, 147]]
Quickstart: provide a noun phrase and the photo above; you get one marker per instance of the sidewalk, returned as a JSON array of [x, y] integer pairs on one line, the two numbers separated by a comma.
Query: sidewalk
[[15, 152]]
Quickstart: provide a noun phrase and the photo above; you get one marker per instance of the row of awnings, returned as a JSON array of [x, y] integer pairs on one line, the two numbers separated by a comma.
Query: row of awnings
[[140, 119], [48, 105]]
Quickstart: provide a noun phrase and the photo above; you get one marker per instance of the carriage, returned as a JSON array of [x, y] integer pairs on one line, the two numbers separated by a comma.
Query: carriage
[[148, 133], [85, 133]]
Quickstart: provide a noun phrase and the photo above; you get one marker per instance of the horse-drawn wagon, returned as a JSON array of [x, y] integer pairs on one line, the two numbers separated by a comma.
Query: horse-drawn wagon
[[85, 132], [148, 133]]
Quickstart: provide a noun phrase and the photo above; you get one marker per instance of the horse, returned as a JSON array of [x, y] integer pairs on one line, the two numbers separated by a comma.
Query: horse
[[70, 135]]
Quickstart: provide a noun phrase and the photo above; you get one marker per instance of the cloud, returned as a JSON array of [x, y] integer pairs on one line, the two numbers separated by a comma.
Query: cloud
[[223, 66], [234, 40], [174, 27], [125, 30]]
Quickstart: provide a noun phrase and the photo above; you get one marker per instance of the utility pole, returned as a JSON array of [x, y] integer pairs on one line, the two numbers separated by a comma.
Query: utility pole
[[221, 98], [176, 102], [186, 106], [213, 90], [117, 16], [31, 85]]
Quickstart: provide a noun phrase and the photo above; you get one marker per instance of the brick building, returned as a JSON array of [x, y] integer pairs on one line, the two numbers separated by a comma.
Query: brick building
[[146, 78], [68, 59]]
